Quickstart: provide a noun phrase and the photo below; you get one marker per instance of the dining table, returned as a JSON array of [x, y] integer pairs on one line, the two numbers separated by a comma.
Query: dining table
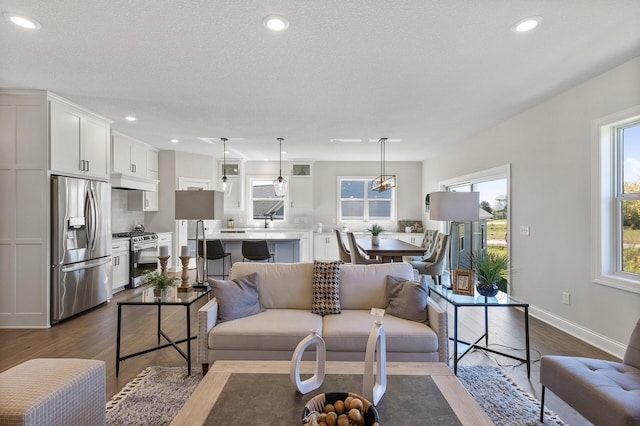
[[389, 249]]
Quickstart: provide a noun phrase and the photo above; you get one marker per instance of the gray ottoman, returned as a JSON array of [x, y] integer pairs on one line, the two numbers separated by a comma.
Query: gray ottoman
[[53, 392]]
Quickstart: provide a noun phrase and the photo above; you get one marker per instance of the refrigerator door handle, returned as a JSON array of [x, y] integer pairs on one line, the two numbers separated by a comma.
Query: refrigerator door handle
[[91, 226], [86, 265]]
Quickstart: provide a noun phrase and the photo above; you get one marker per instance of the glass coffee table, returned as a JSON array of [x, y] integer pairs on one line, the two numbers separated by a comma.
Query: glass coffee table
[[172, 297], [501, 300]]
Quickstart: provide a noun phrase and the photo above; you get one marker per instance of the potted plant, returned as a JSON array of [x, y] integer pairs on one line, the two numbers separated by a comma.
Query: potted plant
[[159, 282], [375, 234], [491, 270]]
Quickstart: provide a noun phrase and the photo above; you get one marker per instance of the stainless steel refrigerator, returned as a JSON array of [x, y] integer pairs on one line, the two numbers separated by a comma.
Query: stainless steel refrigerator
[[80, 245]]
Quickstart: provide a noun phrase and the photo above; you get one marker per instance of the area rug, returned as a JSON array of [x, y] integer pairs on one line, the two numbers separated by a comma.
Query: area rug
[[156, 395]]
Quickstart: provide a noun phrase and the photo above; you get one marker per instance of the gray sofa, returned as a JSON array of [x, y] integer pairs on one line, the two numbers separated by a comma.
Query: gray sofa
[[285, 291], [604, 392]]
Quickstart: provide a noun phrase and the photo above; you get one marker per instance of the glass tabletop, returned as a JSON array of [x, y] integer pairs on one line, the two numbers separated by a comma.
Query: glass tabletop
[[500, 299], [170, 296]]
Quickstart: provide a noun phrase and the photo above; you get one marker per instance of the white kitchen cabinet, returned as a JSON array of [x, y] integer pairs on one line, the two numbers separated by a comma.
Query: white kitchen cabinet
[[79, 142], [301, 186], [152, 163], [128, 156], [120, 262], [146, 201], [415, 239], [233, 199], [325, 247]]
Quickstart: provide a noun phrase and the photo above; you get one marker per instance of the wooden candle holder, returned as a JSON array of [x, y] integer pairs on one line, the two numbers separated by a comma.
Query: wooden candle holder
[[163, 265], [184, 287]]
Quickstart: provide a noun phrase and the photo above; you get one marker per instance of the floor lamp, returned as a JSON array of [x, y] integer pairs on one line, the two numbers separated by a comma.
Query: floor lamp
[[454, 207], [199, 205]]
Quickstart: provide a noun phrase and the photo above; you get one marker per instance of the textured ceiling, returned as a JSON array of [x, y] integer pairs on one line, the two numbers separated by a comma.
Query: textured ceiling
[[430, 73]]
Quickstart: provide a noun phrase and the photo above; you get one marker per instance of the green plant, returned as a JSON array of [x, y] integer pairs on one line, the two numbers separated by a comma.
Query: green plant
[[375, 230], [159, 281], [490, 267]]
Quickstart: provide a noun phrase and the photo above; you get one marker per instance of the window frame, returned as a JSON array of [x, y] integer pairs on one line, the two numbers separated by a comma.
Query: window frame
[[607, 198], [366, 218], [250, 217]]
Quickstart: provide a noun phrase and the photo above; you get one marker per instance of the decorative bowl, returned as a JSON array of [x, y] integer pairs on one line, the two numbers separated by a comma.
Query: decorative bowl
[[317, 403]]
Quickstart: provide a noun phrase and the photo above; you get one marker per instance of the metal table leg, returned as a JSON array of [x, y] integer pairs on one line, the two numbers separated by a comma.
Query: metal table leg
[[526, 333], [455, 340], [118, 340]]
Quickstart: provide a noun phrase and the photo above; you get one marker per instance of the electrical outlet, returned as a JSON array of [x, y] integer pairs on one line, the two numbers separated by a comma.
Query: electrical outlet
[[524, 230], [566, 299]]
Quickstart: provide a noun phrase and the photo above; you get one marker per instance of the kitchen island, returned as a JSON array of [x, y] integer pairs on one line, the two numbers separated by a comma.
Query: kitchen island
[[288, 245]]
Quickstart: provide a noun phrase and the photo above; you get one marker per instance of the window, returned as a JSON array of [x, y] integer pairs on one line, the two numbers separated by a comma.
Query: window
[[264, 201], [359, 203], [616, 252], [627, 223]]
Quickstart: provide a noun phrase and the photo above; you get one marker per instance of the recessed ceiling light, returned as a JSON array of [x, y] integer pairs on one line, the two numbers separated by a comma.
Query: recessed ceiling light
[[345, 140], [130, 118], [175, 140], [283, 152], [23, 21], [276, 23], [527, 24]]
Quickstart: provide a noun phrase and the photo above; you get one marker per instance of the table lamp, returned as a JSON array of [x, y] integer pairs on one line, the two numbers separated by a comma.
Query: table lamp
[[454, 207], [199, 205]]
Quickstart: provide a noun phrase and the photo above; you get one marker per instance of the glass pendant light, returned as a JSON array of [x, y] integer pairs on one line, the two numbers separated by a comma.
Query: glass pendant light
[[280, 184], [223, 183]]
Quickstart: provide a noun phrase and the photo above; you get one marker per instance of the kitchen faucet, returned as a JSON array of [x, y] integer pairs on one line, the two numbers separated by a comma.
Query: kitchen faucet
[[267, 215]]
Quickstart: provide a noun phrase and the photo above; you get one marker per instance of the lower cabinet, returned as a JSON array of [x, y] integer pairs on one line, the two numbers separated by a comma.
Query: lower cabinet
[[325, 247], [120, 262]]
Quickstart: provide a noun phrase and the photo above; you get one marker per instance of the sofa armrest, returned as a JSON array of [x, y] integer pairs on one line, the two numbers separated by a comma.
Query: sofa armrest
[[438, 322], [207, 317]]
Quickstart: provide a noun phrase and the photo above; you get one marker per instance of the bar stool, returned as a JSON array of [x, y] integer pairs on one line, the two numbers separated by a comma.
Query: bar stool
[[256, 251], [215, 251]]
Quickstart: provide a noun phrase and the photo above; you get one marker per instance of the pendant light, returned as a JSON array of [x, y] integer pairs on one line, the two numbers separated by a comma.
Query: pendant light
[[383, 182], [223, 182], [280, 184]]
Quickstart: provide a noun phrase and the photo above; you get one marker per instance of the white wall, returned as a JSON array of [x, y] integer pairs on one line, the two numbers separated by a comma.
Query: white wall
[[549, 149]]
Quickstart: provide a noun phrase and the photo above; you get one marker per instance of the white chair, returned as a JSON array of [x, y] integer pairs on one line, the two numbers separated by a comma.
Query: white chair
[[345, 255], [436, 268]]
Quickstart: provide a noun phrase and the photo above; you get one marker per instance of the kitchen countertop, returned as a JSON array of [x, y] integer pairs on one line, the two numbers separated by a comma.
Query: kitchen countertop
[[259, 234]]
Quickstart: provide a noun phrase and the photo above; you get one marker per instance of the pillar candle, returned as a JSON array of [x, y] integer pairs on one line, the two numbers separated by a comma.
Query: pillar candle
[[184, 251], [164, 251]]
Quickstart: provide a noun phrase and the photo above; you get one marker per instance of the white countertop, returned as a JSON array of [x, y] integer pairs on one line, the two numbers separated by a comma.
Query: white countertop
[[259, 234]]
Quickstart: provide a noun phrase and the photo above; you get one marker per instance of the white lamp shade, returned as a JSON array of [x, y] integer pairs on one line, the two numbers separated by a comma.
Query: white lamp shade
[[454, 206], [195, 205]]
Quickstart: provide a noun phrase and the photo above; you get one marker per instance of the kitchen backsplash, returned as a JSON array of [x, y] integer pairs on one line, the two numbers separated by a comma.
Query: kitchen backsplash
[[123, 220]]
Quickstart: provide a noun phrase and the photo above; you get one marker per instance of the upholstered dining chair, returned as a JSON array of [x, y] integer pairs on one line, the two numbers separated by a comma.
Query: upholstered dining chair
[[436, 268], [357, 258], [429, 241], [256, 250], [345, 255], [215, 251]]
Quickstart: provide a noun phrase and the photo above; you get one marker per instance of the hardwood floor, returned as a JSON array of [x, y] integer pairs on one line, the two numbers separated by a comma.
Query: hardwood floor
[[93, 335]]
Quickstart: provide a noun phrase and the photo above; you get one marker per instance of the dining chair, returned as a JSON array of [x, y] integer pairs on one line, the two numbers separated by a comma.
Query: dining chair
[[436, 268], [357, 258], [429, 241], [256, 250], [215, 251], [345, 255]]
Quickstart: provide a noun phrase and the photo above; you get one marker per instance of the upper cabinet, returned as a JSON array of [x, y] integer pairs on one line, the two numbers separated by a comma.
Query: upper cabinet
[[301, 185], [233, 198], [79, 141], [134, 164]]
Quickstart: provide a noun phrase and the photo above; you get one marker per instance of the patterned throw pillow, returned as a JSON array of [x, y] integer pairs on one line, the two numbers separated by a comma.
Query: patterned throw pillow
[[326, 288]]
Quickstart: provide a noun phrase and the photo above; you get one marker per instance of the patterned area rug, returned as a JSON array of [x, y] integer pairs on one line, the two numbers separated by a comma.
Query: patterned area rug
[[158, 393]]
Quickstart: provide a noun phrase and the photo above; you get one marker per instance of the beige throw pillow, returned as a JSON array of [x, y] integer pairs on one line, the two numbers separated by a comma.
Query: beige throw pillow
[[407, 299]]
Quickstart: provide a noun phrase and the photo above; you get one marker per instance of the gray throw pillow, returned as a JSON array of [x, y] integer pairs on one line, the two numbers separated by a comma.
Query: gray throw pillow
[[326, 288], [238, 298], [407, 299]]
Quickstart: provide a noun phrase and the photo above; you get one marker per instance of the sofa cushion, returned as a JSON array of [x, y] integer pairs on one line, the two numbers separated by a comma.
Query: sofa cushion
[[365, 286], [236, 298], [407, 299], [326, 288], [282, 285], [271, 330], [349, 332]]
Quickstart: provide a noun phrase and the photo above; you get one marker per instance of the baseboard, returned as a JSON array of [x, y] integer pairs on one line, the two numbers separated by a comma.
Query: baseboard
[[598, 340]]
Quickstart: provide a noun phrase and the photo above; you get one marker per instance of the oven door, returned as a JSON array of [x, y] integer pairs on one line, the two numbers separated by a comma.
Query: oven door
[[143, 259]]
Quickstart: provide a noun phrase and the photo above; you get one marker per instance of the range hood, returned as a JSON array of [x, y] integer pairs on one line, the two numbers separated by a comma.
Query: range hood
[[123, 181]]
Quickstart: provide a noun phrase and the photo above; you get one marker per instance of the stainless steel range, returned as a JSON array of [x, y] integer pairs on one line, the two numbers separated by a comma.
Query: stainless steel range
[[143, 254]]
